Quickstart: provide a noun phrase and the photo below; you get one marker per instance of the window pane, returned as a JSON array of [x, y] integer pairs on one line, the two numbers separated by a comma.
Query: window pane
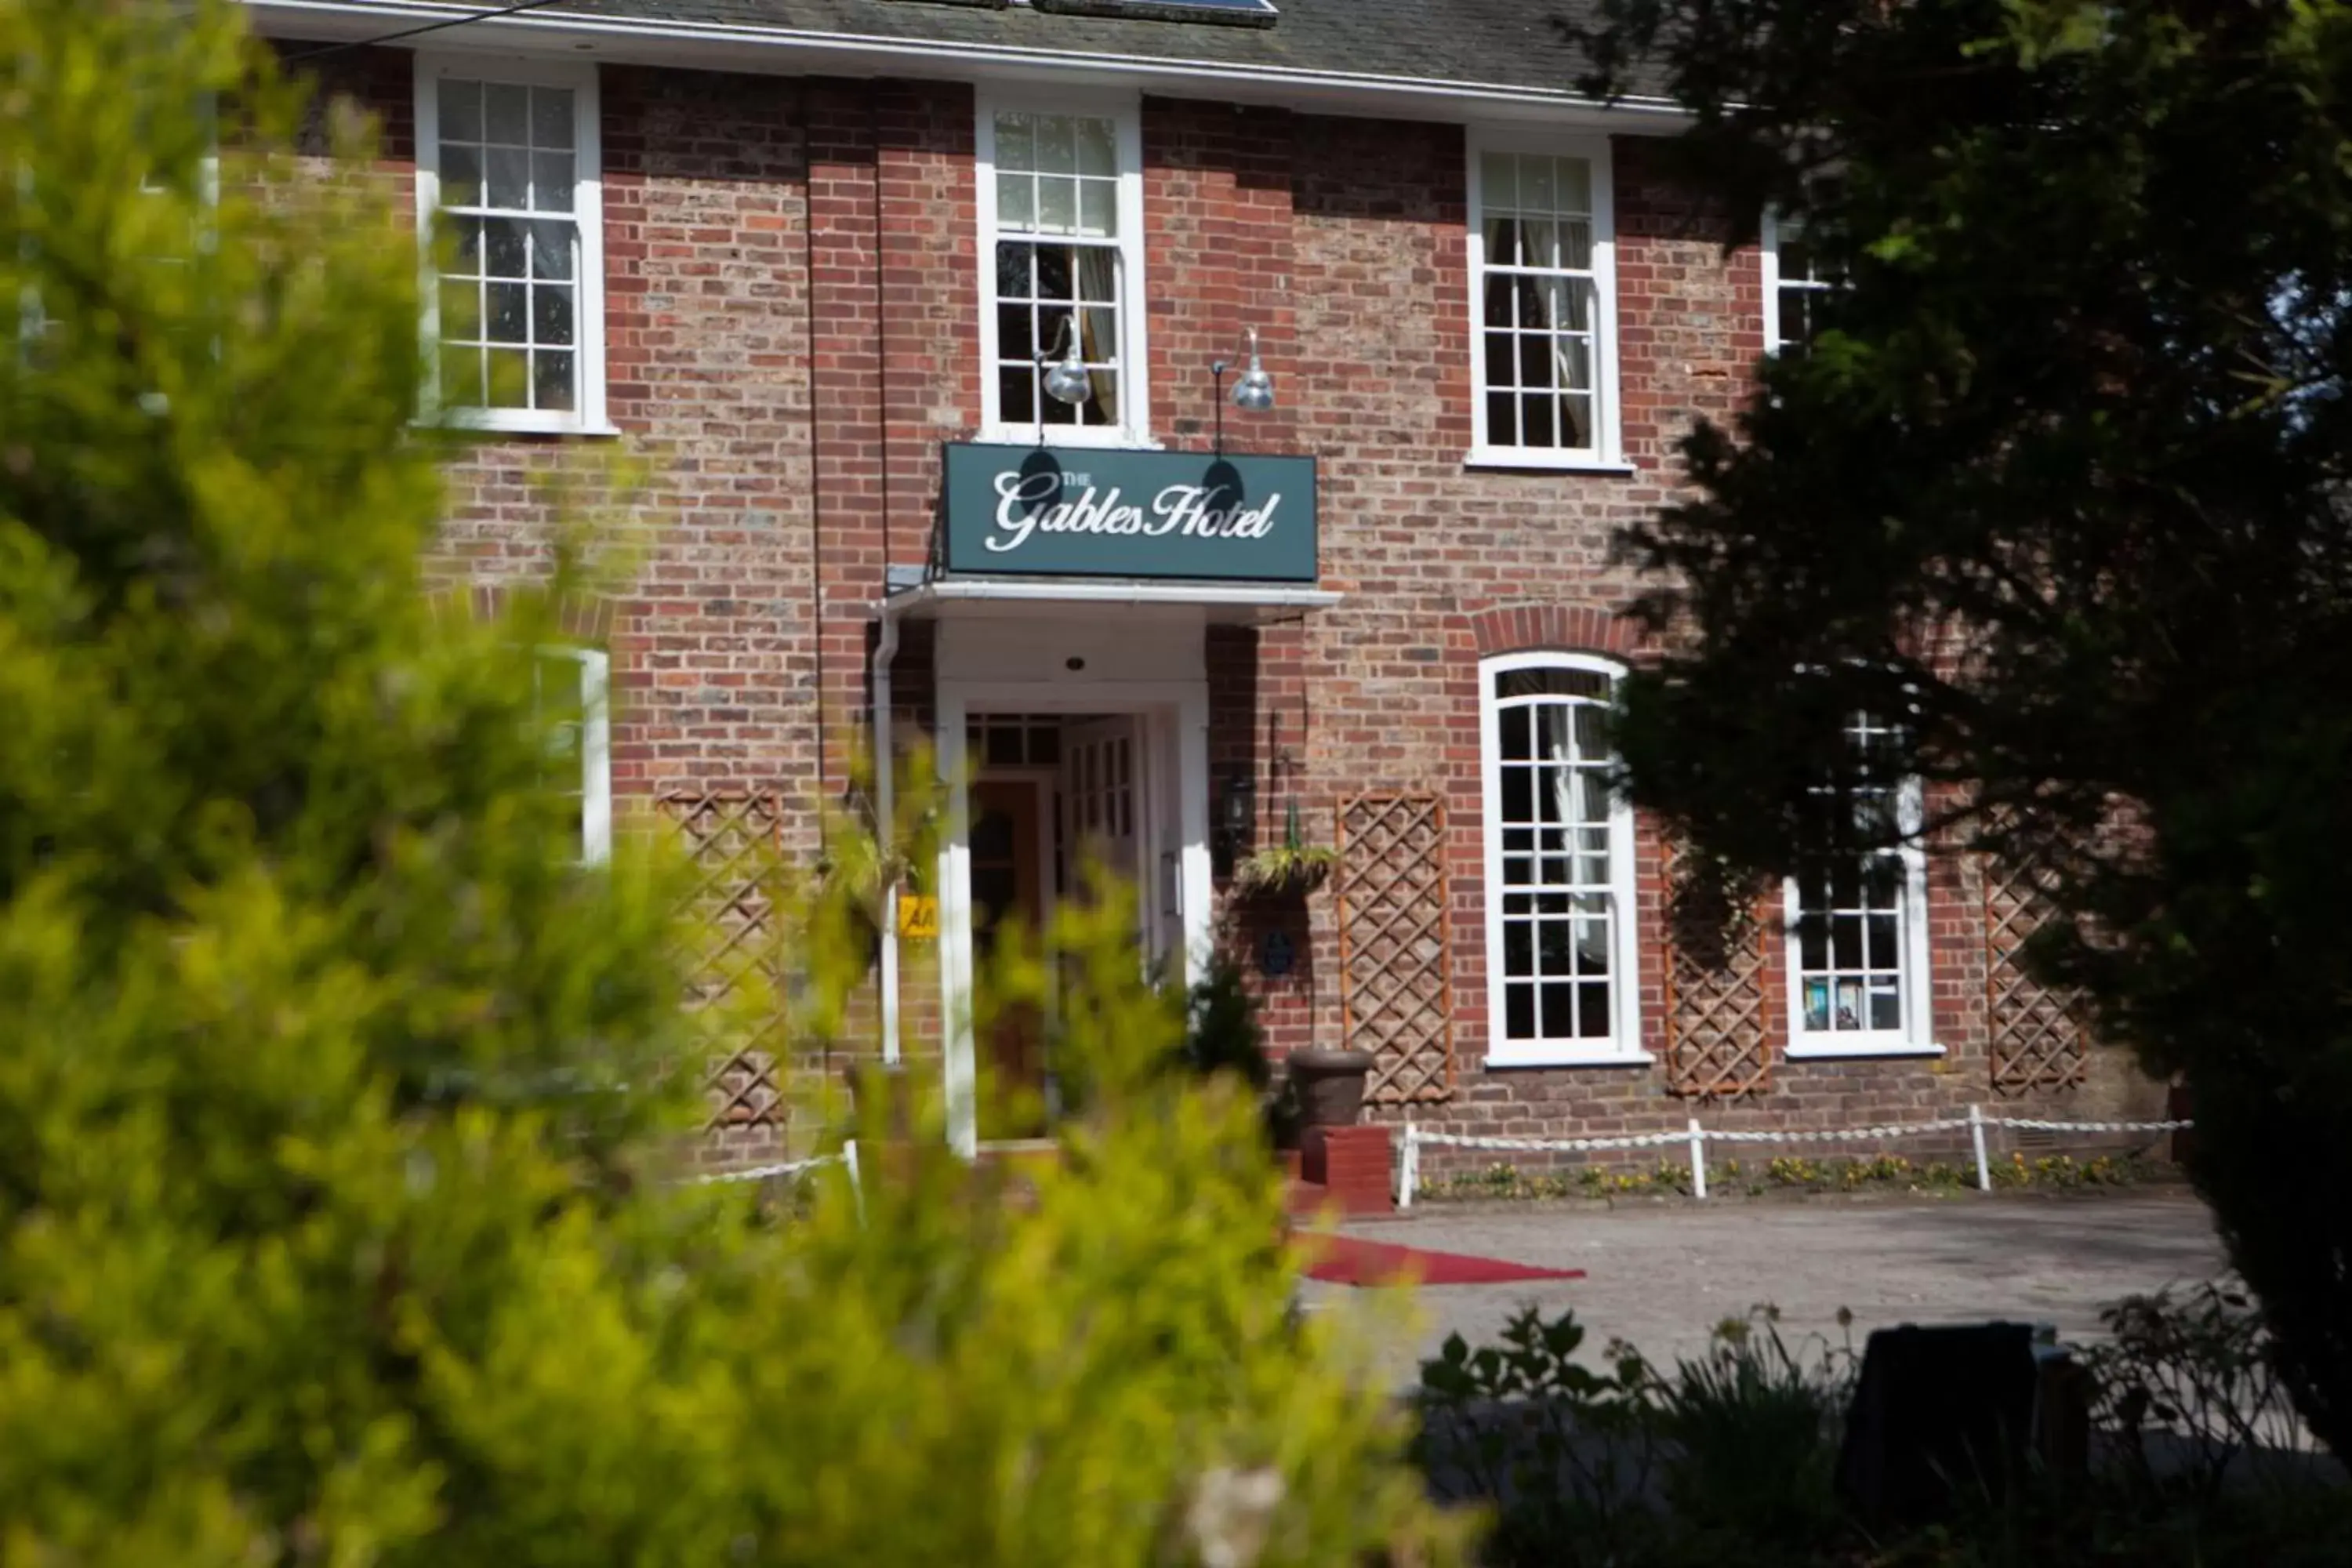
[[1013, 338], [1098, 209], [1592, 1012], [551, 117], [1499, 359], [1552, 680], [1574, 191], [461, 176], [1016, 201], [1499, 186], [461, 110], [461, 376], [1016, 394], [461, 310], [1097, 147], [1057, 206], [1501, 308], [1576, 412], [1057, 151], [552, 380], [509, 180], [551, 182], [1013, 277], [1575, 243], [550, 249], [505, 247], [1518, 795], [507, 313], [551, 320], [1519, 1012], [1017, 145], [509, 113], [1503, 241], [1502, 419], [1535, 193], [510, 372]]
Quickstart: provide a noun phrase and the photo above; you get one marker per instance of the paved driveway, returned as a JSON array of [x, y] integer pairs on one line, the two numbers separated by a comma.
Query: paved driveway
[[1661, 1276]]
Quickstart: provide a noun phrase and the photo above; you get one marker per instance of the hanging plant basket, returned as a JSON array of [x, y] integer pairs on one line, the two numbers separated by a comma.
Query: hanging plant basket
[[1285, 871], [1289, 869]]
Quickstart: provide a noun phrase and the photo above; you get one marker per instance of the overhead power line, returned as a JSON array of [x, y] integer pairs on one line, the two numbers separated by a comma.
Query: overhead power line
[[491, 15]]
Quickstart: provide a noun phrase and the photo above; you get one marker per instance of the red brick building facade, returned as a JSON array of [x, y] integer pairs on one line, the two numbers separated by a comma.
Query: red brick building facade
[[796, 218]]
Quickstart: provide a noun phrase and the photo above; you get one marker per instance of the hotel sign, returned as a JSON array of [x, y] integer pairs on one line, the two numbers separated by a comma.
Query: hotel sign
[[1049, 511]]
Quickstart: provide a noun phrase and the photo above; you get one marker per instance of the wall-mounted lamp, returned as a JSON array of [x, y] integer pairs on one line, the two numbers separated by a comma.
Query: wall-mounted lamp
[[1236, 807], [1065, 380], [1253, 393]]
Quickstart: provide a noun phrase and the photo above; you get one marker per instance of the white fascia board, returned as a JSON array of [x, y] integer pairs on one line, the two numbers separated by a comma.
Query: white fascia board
[[934, 597], [711, 45]]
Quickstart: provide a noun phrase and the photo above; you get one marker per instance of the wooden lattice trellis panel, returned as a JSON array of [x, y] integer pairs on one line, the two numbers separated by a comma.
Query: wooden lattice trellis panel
[[1717, 1042], [733, 837], [2037, 1039], [1396, 970]]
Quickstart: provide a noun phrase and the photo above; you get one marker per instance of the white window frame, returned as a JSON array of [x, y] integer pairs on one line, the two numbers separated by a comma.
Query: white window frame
[[1607, 455], [595, 755], [1917, 1037], [1134, 351], [1623, 1047], [1769, 249], [587, 212]]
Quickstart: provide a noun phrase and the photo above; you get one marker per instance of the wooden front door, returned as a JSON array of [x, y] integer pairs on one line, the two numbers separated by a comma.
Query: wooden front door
[[1007, 889]]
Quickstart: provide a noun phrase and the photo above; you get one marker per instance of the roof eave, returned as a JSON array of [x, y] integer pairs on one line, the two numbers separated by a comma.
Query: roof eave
[[697, 45]]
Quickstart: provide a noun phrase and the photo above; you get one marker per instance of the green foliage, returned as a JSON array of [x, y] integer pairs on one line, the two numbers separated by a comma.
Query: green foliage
[[1733, 1452], [342, 1112], [1223, 1034], [1731, 1456], [2060, 485], [1753, 1426], [1880, 1173], [2187, 1385], [1568, 1453]]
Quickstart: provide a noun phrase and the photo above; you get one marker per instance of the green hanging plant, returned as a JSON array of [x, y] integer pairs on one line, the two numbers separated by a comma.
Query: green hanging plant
[[1292, 866]]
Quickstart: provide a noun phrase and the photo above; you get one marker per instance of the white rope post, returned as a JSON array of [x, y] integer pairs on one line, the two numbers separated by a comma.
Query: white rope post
[[1976, 1136], [1408, 1167], [1699, 1160], [856, 1186]]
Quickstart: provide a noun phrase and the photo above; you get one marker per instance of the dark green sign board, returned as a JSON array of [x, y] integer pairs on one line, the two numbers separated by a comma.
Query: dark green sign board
[[1049, 511]]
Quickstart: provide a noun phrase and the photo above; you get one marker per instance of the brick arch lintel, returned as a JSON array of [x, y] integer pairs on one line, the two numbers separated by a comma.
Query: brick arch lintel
[[585, 617], [1525, 628]]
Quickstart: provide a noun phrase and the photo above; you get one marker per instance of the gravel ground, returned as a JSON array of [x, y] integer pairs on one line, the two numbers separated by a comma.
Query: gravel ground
[[1661, 1274]]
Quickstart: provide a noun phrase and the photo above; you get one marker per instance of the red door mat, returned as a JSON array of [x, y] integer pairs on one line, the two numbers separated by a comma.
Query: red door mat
[[1351, 1260]]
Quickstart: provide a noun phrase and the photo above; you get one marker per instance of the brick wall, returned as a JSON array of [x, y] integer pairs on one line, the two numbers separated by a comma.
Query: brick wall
[[792, 335]]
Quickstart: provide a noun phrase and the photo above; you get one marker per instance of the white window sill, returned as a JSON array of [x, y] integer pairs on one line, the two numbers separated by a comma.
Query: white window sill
[[1865, 1047], [1545, 459], [1069, 437], [1563, 1056], [511, 423]]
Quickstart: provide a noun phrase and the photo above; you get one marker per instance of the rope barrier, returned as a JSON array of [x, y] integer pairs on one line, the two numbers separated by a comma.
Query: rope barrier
[[846, 1159], [1697, 1137]]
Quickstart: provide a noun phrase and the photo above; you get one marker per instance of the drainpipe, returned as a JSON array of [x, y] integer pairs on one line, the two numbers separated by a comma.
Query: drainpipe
[[886, 797]]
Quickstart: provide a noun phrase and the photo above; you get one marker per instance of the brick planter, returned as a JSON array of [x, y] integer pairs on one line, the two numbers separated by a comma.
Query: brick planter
[[1350, 1164]]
